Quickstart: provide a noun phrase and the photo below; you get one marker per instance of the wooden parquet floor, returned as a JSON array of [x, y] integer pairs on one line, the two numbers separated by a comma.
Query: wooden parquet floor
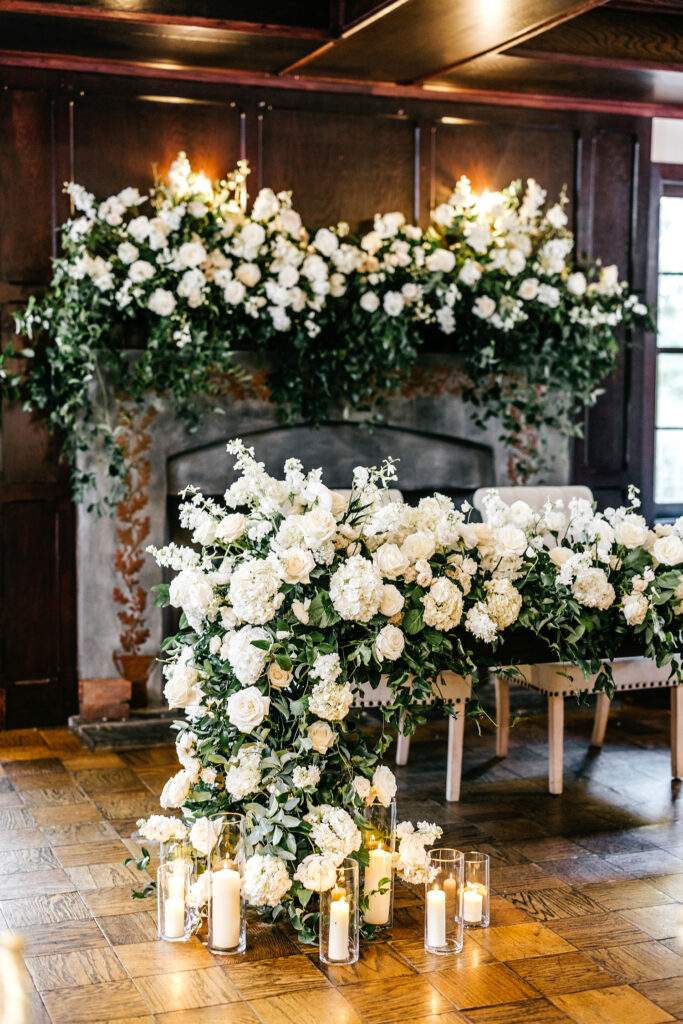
[[586, 913]]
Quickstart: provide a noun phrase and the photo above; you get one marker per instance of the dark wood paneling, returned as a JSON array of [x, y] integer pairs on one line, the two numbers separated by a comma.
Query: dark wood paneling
[[493, 155], [339, 165], [140, 133], [25, 184]]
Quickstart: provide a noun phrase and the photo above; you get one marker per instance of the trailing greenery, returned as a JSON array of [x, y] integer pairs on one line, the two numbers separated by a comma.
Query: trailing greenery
[[154, 295]]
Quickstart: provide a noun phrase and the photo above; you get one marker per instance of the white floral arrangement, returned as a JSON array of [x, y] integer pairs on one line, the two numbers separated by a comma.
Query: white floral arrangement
[[296, 600], [189, 275]]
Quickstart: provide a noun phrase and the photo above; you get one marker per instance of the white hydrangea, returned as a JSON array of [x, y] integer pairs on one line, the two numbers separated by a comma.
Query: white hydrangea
[[503, 602], [158, 828], [243, 776], [333, 831], [356, 589], [265, 881], [254, 591], [442, 604], [303, 777], [411, 856], [326, 668], [592, 589], [480, 624], [330, 701], [247, 662]]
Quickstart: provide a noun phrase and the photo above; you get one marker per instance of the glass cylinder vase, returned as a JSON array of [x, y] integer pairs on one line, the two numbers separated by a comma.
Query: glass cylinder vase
[[227, 920], [338, 921], [379, 830], [443, 901], [475, 896], [175, 918]]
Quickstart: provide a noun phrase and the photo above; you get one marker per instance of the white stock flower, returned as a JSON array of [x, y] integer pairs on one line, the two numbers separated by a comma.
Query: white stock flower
[[322, 736], [469, 273], [176, 790], [389, 643], [266, 880], [316, 873], [247, 708], [480, 624]]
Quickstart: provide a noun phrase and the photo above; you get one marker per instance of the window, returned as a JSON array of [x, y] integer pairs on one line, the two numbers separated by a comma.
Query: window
[[668, 476]]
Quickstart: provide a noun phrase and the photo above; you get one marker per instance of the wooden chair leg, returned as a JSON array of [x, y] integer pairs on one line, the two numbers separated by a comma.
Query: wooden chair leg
[[600, 721], [456, 736], [502, 686], [677, 732], [555, 743], [402, 747]]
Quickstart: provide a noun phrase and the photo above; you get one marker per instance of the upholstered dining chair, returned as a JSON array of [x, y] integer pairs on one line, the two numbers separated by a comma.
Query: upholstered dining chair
[[558, 680]]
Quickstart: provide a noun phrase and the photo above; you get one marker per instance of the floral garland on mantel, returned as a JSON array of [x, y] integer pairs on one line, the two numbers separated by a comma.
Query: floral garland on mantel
[[294, 606], [189, 276]]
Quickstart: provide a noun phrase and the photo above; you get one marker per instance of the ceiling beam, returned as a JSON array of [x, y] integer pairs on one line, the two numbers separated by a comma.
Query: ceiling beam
[[82, 12], [573, 10], [436, 94]]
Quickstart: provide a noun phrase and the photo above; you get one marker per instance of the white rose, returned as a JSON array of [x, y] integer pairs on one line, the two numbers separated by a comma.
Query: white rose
[[287, 277], [191, 254], [181, 688], [290, 222], [127, 252], [384, 785], [266, 205], [175, 791], [296, 565], [247, 708], [418, 545], [141, 271], [279, 678], [389, 643], [231, 527], [631, 532], [252, 235], [248, 273], [300, 610], [576, 283], [325, 241], [528, 289], [393, 303], [391, 561], [318, 525], [362, 787], [322, 736], [392, 601], [234, 292], [316, 873], [139, 228], [443, 215], [205, 532], [161, 302], [484, 306], [635, 608], [197, 208], [441, 260], [337, 286], [339, 504], [558, 556], [668, 550], [470, 272], [369, 302], [204, 835], [511, 540]]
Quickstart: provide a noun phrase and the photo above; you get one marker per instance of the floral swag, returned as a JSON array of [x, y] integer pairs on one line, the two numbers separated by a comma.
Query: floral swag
[[296, 601], [341, 318]]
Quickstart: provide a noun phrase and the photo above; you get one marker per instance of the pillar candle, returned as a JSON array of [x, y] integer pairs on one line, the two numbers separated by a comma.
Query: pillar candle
[[436, 917], [338, 944], [174, 917], [176, 882], [472, 905], [225, 908], [379, 904], [450, 887]]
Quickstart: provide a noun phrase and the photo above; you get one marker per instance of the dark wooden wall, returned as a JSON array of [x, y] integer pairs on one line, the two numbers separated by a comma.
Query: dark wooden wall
[[343, 156]]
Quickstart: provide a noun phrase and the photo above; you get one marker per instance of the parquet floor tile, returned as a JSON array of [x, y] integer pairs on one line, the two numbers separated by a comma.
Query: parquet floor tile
[[667, 993], [620, 1005], [642, 961], [377, 1002], [296, 1006], [186, 990], [488, 985], [566, 972]]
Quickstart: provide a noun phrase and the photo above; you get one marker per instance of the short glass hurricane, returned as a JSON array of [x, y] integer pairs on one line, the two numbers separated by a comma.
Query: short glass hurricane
[[175, 918], [475, 896], [443, 901], [379, 831], [339, 917], [227, 919]]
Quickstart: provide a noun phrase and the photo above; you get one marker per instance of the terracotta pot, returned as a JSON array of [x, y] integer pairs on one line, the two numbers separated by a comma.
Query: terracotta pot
[[135, 668]]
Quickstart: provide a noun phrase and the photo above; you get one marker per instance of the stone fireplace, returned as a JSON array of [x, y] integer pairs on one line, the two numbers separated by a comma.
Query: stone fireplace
[[432, 437]]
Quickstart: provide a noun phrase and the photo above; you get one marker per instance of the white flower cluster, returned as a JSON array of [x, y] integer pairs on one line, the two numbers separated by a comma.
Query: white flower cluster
[[265, 880], [333, 832], [158, 828], [411, 855], [243, 776]]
